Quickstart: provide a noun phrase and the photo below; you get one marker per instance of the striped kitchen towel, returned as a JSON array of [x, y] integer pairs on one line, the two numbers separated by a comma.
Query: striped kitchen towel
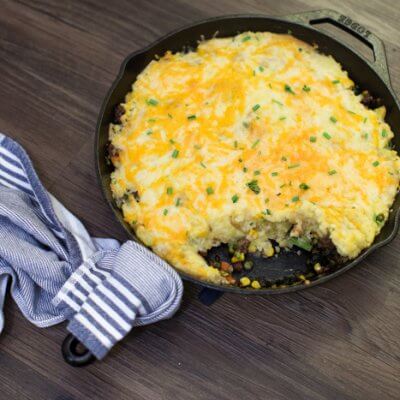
[[57, 271]]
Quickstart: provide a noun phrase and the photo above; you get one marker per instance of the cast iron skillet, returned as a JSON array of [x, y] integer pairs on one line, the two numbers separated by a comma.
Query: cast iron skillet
[[373, 76]]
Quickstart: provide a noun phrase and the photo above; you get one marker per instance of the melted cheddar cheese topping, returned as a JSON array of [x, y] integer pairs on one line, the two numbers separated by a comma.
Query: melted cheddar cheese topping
[[247, 137]]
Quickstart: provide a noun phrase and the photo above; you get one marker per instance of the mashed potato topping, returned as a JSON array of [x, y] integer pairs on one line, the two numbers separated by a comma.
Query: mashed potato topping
[[257, 136]]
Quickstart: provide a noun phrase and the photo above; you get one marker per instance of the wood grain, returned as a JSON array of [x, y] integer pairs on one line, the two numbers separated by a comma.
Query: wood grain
[[337, 341]]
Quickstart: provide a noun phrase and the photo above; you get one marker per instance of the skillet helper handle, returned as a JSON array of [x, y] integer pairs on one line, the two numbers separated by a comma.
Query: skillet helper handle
[[354, 28], [209, 296], [72, 355]]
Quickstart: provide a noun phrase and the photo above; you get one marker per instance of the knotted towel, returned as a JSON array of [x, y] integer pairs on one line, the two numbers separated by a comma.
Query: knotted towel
[[59, 272]]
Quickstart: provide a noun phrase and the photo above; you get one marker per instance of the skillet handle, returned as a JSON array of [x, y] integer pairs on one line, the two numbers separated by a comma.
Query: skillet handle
[[71, 355], [354, 28], [209, 296]]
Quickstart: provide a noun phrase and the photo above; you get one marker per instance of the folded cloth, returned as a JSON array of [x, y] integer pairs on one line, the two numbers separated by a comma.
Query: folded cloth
[[59, 272]]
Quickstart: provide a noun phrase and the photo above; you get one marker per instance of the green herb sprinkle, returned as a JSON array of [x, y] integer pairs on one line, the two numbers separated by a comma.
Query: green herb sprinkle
[[304, 186], [152, 102], [175, 153], [253, 186], [288, 89], [326, 135]]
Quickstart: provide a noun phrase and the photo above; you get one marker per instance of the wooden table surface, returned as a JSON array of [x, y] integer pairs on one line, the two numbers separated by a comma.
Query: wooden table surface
[[336, 341]]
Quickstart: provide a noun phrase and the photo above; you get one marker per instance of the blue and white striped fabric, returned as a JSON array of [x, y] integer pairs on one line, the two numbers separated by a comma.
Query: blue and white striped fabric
[[59, 272]]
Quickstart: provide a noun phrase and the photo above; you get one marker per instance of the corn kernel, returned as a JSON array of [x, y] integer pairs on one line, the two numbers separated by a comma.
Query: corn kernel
[[255, 285], [269, 252], [237, 257], [253, 234], [252, 248], [317, 267], [245, 281]]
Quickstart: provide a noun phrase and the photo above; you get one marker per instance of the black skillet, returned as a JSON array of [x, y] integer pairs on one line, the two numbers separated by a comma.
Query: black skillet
[[285, 269]]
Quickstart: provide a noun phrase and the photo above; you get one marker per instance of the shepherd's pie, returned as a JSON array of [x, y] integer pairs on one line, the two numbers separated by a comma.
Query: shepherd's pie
[[254, 138]]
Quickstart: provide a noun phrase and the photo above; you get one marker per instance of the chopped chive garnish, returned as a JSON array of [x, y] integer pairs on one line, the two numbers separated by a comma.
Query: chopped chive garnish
[[277, 102], [190, 117], [326, 135], [375, 163], [288, 89], [267, 212], [306, 88], [253, 186], [332, 172], [246, 38], [284, 158], [293, 166], [269, 85], [235, 198], [365, 120], [379, 218], [170, 116], [333, 119], [256, 107], [203, 165], [257, 172], [300, 49], [175, 153], [172, 141], [170, 190], [384, 133], [364, 135], [152, 102], [261, 68], [165, 212], [274, 174], [313, 139], [245, 124], [235, 144], [149, 132], [351, 112], [255, 143], [304, 186], [151, 120], [282, 118], [178, 202], [283, 185], [295, 198], [336, 81], [245, 169], [210, 190]]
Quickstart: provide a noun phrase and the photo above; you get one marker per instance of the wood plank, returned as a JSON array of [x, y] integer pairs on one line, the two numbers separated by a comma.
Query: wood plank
[[336, 341]]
